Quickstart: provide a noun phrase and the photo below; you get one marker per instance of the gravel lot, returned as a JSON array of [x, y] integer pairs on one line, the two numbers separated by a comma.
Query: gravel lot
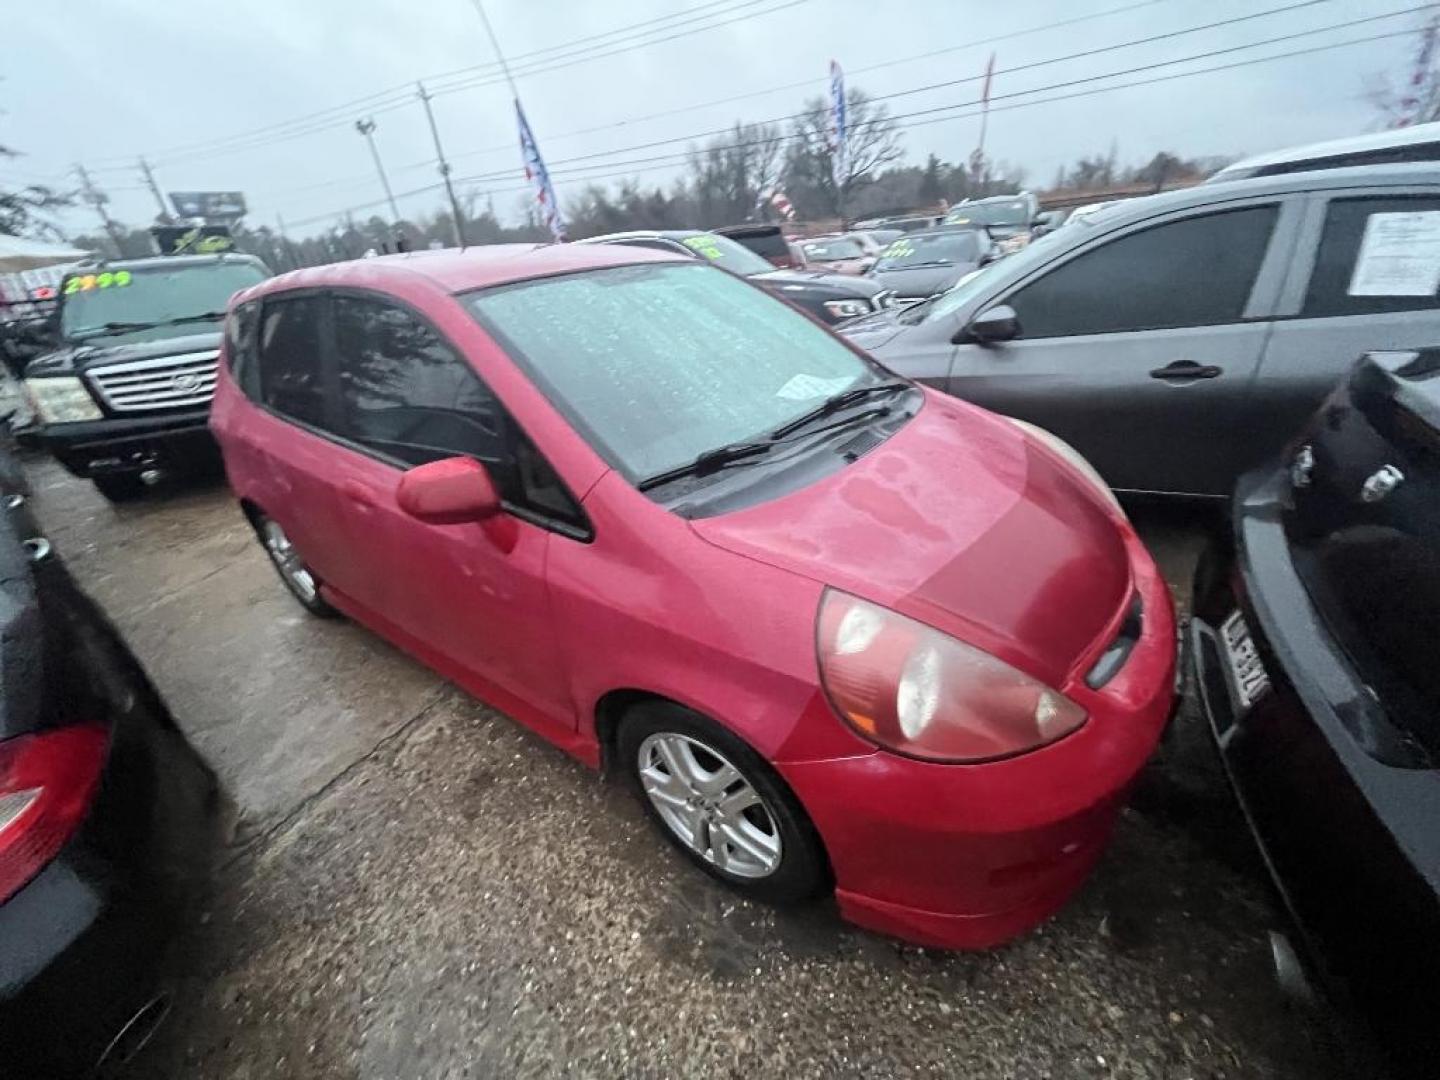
[[418, 888]]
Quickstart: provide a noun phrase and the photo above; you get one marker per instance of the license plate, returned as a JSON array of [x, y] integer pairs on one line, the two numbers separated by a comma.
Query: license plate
[[1247, 673]]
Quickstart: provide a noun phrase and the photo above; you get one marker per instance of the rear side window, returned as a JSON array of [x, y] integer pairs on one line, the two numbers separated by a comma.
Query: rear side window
[[291, 366], [242, 328], [404, 391], [1195, 272], [1376, 255]]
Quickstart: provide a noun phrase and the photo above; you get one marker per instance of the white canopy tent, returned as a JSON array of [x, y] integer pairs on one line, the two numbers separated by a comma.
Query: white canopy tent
[[18, 253]]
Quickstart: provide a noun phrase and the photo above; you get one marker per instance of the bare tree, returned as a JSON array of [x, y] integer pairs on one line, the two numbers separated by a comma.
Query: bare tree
[[1414, 98], [872, 142], [730, 172], [23, 209]]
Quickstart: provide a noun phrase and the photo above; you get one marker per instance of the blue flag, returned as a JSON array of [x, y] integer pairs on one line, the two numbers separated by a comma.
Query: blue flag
[[538, 175]]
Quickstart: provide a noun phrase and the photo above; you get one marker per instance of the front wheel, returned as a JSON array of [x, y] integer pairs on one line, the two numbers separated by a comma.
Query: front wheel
[[720, 803], [298, 578]]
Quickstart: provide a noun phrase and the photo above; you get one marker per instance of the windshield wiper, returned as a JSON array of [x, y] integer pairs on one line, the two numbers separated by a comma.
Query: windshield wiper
[[832, 405], [722, 456], [708, 462], [126, 327], [931, 262]]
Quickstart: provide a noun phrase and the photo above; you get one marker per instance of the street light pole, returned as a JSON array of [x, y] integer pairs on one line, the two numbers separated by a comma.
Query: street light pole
[[455, 214], [366, 127]]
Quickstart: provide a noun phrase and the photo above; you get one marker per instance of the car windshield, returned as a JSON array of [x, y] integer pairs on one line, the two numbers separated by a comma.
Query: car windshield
[[727, 254], [839, 248], [930, 249], [143, 303], [1008, 212], [657, 364]]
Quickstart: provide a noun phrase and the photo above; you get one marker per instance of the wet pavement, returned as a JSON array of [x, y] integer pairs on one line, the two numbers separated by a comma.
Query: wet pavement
[[419, 888]]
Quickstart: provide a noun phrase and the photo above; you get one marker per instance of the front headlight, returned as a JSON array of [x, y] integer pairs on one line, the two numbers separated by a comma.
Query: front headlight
[[1071, 457], [61, 399], [847, 309], [915, 690]]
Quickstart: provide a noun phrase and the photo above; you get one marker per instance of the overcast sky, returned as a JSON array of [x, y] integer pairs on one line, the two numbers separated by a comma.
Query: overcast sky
[[181, 81]]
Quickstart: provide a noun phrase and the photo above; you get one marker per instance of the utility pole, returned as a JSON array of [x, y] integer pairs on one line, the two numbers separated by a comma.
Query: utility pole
[[98, 199], [285, 242], [165, 218], [455, 214], [367, 128]]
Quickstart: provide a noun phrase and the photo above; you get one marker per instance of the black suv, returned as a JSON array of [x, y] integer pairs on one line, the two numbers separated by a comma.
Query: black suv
[[831, 298], [126, 394], [1316, 645]]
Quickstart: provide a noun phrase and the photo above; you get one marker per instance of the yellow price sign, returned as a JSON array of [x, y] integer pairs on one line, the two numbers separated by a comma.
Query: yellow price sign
[[107, 279], [707, 246], [899, 249]]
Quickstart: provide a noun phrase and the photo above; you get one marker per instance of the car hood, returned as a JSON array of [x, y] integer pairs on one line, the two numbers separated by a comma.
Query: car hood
[[870, 332], [819, 281], [922, 281], [96, 354], [962, 522]]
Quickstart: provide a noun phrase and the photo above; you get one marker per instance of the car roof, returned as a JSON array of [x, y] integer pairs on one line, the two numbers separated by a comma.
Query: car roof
[[457, 270], [641, 234], [945, 230], [1418, 172], [1355, 144], [154, 261]]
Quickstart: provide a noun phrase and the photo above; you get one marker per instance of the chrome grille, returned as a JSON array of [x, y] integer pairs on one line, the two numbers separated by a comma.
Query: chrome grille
[[166, 382]]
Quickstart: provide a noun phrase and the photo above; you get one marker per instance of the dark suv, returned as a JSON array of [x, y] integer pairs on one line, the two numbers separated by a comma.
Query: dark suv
[[1314, 642], [126, 394]]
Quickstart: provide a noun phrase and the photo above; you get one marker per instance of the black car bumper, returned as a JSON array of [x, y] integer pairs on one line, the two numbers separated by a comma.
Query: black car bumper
[[85, 945], [179, 442], [1331, 821]]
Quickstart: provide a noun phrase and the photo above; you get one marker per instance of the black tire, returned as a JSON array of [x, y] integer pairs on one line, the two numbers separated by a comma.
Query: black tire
[[803, 871], [310, 599], [119, 487]]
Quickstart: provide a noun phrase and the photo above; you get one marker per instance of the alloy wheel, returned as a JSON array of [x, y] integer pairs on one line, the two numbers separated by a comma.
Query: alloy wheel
[[287, 560], [709, 805]]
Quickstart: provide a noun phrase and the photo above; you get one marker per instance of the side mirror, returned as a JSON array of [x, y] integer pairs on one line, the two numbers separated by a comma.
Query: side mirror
[[999, 323], [989, 256], [448, 492], [1040, 229]]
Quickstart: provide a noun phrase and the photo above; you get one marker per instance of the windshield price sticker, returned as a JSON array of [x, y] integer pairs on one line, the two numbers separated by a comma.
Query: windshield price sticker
[[899, 249], [88, 282], [704, 245], [805, 387]]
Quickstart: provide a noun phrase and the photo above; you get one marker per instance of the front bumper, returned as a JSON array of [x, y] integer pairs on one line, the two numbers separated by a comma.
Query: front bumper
[[969, 856], [179, 442], [85, 944]]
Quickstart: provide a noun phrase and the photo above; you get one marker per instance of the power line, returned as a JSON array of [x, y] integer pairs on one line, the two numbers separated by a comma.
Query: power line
[[693, 136], [673, 159], [1022, 67], [802, 83], [399, 97]]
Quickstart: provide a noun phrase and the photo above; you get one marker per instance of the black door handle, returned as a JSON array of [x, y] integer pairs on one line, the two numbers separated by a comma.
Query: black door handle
[[1186, 370]]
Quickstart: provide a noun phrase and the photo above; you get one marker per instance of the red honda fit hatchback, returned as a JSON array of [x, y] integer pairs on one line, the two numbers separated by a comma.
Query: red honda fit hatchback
[[836, 629]]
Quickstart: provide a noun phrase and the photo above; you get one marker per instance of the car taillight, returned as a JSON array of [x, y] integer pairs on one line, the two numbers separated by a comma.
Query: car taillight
[[46, 784], [915, 690]]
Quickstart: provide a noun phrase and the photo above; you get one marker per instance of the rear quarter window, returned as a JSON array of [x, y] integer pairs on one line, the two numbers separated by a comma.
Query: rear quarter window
[[242, 327], [1364, 264]]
